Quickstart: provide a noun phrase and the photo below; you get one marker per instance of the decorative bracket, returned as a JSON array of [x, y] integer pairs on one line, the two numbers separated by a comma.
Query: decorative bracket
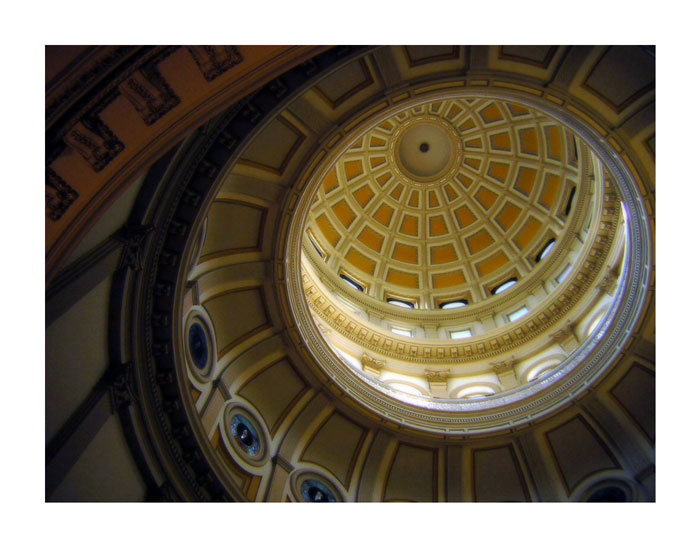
[[132, 236], [437, 379], [505, 372], [609, 281], [121, 390], [566, 338], [371, 365]]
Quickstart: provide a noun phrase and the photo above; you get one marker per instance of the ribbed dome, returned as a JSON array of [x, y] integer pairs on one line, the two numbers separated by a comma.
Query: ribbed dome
[[446, 199]]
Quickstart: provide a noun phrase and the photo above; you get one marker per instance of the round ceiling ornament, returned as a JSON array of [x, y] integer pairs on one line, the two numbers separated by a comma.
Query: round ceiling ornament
[[426, 149]]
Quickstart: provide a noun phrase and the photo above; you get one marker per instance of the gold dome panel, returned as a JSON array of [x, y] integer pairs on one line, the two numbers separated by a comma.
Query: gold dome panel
[[446, 197]]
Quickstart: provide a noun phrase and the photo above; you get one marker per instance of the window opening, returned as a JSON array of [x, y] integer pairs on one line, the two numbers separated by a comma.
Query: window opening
[[314, 492], [545, 250], [246, 435], [570, 202], [453, 304], [459, 334], [318, 249], [402, 332], [518, 314], [401, 303], [562, 276], [504, 286], [354, 284]]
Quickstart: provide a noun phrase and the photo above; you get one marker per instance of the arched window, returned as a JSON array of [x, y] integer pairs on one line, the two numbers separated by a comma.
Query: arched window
[[562, 276], [504, 286], [316, 492], [401, 303], [199, 349], [453, 304], [354, 284], [402, 332], [545, 250], [522, 312], [570, 202], [316, 246]]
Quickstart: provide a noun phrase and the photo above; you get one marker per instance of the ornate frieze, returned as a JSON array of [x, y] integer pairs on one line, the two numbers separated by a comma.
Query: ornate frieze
[[150, 94], [93, 140], [213, 61], [59, 195], [552, 309]]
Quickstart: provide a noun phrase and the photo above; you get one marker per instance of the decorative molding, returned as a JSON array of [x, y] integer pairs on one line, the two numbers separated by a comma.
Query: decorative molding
[[93, 140], [279, 461], [87, 80], [437, 376], [132, 236], [59, 195], [150, 93], [608, 283], [551, 310], [503, 367], [122, 391], [437, 380], [371, 365], [506, 373], [213, 61], [564, 333]]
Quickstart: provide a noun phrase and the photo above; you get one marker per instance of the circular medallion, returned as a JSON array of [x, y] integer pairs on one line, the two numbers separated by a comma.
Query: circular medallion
[[425, 149], [245, 435]]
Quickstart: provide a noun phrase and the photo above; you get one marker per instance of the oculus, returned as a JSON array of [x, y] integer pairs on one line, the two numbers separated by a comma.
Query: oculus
[[245, 434], [199, 350], [199, 344], [315, 492]]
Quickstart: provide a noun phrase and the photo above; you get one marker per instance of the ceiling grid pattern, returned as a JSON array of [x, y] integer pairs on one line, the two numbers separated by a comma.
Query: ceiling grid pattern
[[457, 235]]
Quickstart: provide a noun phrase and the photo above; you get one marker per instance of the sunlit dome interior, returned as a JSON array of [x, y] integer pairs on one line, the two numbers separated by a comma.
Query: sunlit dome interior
[[439, 246]]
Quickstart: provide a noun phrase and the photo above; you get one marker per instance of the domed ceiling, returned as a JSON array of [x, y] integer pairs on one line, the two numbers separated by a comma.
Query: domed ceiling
[[446, 199], [419, 181], [470, 214]]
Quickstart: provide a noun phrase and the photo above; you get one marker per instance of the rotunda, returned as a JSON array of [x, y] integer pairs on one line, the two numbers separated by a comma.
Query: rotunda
[[399, 274]]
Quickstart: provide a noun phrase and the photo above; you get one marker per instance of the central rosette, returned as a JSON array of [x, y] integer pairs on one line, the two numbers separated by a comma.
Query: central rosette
[[426, 149]]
